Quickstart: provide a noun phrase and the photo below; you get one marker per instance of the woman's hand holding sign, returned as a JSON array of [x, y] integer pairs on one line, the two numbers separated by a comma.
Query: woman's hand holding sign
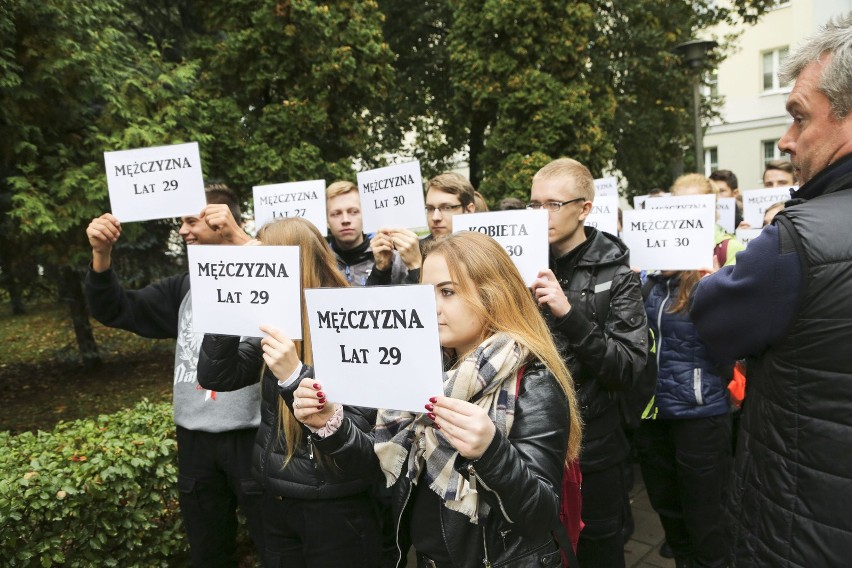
[[466, 426], [309, 404], [279, 352]]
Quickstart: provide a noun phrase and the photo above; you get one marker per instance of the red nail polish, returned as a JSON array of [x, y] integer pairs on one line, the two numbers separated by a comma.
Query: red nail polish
[[430, 407], [437, 427], [433, 400], [320, 407], [317, 386], [320, 395], [431, 415]]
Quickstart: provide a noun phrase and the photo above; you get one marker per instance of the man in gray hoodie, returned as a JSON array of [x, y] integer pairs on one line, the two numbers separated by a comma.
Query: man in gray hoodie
[[215, 431]]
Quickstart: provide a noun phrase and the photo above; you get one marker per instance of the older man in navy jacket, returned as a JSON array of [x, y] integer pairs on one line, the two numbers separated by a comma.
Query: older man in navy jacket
[[787, 305]]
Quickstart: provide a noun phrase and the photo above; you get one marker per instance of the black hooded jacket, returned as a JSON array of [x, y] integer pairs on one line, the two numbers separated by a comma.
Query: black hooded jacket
[[602, 360]]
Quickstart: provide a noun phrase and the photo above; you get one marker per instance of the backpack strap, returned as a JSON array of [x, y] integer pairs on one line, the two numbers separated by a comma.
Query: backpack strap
[[559, 532]]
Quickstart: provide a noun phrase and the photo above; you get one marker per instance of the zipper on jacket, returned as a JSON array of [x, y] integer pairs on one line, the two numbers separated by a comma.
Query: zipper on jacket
[[310, 446], [485, 561], [472, 471], [696, 386], [399, 524]]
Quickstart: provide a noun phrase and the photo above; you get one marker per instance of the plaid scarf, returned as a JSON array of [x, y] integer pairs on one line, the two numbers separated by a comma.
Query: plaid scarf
[[403, 439]]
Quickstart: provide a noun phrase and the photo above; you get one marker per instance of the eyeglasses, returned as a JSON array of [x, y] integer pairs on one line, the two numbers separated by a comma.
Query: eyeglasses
[[552, 206], [442, 208]]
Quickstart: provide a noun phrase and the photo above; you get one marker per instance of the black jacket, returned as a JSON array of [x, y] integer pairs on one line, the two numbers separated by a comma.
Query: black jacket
[[227, 364], [790, 504], [519, 477], [602, 360]]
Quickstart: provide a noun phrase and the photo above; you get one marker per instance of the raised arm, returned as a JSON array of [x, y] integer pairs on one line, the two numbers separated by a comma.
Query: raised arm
[[227, 364]]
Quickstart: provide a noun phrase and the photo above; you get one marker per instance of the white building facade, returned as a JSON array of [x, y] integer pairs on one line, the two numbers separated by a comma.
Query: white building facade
[[753, 117]]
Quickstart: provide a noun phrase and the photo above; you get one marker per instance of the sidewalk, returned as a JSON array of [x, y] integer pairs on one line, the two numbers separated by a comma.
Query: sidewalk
[[643, 549]]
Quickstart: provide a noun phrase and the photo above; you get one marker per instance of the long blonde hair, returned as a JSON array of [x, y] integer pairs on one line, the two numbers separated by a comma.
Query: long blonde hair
[[489, 282], [318, 269]]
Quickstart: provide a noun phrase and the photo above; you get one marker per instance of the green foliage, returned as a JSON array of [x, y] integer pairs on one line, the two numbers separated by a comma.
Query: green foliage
[[653, 127], [92, 492], [79, 83], [295, 84], [515, 177], [520, 72]]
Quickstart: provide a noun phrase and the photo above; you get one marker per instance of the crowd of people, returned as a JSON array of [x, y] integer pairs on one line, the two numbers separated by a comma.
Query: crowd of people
[[536, 379]]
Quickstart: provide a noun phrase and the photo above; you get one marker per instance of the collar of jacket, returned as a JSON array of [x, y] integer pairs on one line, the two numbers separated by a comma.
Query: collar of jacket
[[353, 256], [601, 248], [833, 178]]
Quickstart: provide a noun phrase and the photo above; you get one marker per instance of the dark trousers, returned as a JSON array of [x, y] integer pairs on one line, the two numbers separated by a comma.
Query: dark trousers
[[601, 542], [321, 533], [214, 478], [686, 464]]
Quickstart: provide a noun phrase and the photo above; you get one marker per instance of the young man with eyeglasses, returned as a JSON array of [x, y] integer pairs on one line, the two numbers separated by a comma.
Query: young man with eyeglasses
[[447, 194], [604, 355]]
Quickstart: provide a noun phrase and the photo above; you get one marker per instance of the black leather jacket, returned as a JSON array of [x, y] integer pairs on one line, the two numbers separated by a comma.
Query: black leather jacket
[[602, 360], [225, 364], [519, 477]]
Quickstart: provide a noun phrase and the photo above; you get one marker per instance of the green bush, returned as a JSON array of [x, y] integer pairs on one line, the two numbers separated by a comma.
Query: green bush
[[99, 492]]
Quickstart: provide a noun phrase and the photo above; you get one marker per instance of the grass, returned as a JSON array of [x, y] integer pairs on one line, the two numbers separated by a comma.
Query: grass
[[42, 380]]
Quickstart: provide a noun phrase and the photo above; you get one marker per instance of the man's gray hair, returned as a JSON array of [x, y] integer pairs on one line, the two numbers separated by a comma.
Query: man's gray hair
[[834, 39]]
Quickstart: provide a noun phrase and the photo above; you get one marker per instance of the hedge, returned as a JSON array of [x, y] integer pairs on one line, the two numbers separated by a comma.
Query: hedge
[[97, 492]]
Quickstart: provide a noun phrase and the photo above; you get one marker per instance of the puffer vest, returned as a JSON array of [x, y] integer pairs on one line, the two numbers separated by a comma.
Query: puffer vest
[[792, 492]]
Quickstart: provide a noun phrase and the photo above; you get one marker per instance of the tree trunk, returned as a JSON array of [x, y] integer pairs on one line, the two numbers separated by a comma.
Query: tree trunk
[[478, 124], [71, 293], [9, 281]]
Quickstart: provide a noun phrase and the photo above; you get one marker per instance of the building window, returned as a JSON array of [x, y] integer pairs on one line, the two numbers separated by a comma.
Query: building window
[[711, 160], [771, 62], [770, 151]]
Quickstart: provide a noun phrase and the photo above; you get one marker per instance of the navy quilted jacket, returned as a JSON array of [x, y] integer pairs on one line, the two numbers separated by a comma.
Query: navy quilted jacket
[[689, 382]]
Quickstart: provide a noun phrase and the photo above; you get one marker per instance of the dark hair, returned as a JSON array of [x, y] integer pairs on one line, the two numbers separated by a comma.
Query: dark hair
[[454, 184], [726, 176], [511, 203], [220, 194]]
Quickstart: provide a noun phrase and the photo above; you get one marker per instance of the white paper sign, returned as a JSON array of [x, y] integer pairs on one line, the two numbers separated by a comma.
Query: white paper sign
[[606, 187], [670, 239], [726, 207], [236, 289], [757, 201], [522, 232], [683, 202], [746, 235], [155, 183], [376, 347], [604, 215], [295, 199], [392, 197], [639, 201]]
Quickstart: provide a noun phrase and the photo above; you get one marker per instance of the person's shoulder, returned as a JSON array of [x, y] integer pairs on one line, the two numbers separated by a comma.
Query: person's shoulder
[[606, 249]]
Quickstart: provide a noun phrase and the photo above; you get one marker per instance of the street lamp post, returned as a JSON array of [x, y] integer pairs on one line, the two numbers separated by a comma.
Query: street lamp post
[[693, 53]]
